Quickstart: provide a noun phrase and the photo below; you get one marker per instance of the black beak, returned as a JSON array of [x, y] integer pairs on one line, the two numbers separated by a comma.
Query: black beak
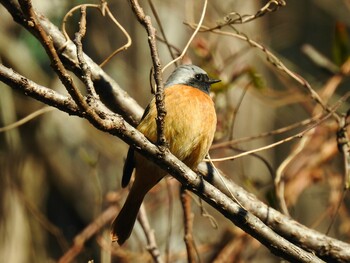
[[212, 81]]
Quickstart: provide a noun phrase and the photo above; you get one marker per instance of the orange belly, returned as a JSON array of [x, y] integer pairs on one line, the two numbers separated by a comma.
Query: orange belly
[[190, 123]]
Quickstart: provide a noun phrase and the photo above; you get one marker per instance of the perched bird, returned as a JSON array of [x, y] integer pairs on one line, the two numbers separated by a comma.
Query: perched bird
[[190, 124]]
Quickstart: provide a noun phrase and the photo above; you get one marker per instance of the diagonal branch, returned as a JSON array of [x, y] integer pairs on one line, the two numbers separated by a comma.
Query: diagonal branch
[[38, 92], [116, 125], [335, 250], [329, 249]]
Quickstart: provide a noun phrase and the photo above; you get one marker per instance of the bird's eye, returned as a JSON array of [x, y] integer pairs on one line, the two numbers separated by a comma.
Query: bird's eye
[[198, 76]]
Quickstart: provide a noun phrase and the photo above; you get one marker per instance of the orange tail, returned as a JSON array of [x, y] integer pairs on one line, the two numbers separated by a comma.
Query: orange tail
[[148, 176], [124, 223]]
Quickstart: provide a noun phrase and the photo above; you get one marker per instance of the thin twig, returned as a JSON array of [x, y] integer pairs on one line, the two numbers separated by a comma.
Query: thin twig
[[126, 34], [103, 8], [170, 220], [335, 214], [159, 93], [89, 231], [204, 212], [342, 136], [26, 119], [236, 18], [192, 254], [87, 110], [152, 246], [272, 145], [279, 183], [234, 114], [165, 40], [223, 181], [82, 63], [344, 147], [265, 134], [191, 38], [319, 59], [70, 13], [273, 60]]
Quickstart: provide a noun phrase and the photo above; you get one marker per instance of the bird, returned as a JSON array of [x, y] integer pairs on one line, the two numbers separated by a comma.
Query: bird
[[189, 128]]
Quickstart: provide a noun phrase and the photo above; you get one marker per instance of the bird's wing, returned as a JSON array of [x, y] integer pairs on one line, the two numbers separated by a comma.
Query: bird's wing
[[129, 166]]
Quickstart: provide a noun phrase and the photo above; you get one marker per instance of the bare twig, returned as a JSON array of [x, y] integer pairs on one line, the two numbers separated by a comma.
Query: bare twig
[[154, 11], [122, 48], [273, 60], [89, 111], [204, 212], [152, 246], [103, 7], [82, 63], [170, 220], [329, 89], [269, 133], [319, 59], [95, 226], [295, 136], [236, 18], [234, 113], [159, 92], [231, 194], [344, 148], [25, 119], [272, 145], [188, 226], [191, 38], [334, 215]]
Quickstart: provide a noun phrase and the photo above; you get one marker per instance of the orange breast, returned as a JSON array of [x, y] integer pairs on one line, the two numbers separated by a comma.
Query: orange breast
[[190, 123]]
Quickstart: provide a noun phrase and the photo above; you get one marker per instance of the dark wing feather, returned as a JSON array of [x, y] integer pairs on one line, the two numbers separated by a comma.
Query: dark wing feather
[[129, 166], [146, 111]]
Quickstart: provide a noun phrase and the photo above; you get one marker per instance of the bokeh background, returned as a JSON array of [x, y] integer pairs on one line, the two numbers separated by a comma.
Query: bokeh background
[[58, 173]]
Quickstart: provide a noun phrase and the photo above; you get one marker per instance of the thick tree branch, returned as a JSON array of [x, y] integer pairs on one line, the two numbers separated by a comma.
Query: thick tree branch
[[38, 92], [327, 248]]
